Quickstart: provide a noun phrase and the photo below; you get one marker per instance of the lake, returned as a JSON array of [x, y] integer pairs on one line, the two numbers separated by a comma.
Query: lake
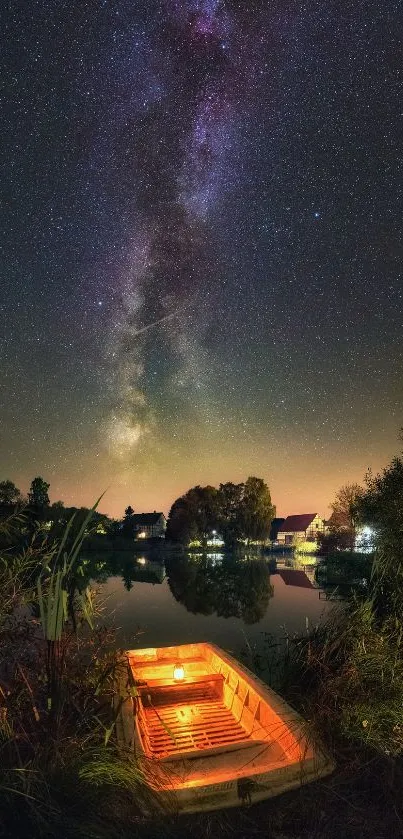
[[231, 602]]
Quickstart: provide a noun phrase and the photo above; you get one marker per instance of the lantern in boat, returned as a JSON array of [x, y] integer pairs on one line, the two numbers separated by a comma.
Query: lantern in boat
[[179, 672]]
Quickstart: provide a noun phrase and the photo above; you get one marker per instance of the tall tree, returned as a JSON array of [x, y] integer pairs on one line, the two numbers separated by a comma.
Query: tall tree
[[238, 511], [257, 511], [38, 493], [128, 525], [345, 507], [194, 515], [230, 523], [181, 523], [343, 521], [9, 493]]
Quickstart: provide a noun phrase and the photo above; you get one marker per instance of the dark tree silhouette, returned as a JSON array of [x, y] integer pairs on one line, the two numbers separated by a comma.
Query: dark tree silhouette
[[38, 493], [237, 511], [9, 493]]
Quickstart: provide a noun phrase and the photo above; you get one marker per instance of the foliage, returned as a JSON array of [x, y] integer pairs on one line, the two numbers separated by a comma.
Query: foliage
[[335, 540], [194, 515], [9, 493], [345, 507], [38, 493], [306, 547], [349, 673], [61, 516], [57, 682], [238, 511], [343, 521], [230, 523], [382, 508], [257, 510], [129, 528]]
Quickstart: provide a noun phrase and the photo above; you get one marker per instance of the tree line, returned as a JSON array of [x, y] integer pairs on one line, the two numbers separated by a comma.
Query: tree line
[[37, 496], [237, 512]]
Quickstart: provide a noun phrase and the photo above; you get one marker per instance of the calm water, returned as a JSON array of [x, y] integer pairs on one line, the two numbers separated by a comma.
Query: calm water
[[230, 602]]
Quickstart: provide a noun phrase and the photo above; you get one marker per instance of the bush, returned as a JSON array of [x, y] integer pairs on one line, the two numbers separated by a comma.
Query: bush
[[349, 677], [58, 674]]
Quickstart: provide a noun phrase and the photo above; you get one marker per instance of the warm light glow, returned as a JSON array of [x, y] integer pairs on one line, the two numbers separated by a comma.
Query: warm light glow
[[141, 560], [141, 535], [179, 672]]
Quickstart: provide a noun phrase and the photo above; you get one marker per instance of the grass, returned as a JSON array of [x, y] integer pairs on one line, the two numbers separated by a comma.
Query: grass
[[62, 775]]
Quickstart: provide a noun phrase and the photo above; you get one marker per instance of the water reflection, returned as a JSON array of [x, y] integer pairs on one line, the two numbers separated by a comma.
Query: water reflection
[[132, 569], [226, 588], [222, 599]]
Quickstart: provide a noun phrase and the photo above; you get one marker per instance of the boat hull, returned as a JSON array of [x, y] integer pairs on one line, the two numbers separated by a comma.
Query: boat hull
[[273, 751]]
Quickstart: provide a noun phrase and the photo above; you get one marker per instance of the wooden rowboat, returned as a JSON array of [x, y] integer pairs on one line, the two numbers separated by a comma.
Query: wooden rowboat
[[209, 733]]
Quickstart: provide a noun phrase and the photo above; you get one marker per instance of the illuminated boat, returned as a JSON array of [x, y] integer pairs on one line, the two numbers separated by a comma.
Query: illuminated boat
[[208, 733]]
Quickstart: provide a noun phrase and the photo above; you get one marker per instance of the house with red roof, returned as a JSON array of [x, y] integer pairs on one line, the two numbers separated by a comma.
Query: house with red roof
[[304, 526]]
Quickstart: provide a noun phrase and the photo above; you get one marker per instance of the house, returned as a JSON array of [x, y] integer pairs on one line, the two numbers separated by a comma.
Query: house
[[303, 527], [149, 525], [274, 529]]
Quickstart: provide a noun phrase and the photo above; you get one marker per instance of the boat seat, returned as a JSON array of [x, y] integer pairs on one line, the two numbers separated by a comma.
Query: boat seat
[[196, 722]]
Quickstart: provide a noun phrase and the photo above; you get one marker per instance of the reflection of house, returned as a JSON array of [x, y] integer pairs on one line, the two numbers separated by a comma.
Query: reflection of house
[[149, 525], [296, 578], [305, 527], [148, 571]]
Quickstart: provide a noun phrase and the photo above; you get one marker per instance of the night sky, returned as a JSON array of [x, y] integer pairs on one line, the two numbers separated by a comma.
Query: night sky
[[201, 252]]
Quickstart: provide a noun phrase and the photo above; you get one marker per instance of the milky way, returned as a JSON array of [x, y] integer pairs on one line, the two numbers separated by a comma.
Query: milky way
[[168, 275], [202, 246]]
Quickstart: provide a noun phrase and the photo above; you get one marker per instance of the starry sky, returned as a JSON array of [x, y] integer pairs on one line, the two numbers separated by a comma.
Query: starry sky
[[201, 247]]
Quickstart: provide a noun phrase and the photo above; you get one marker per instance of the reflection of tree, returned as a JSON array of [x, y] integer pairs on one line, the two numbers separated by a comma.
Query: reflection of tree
[[230, 588], [99, 567]]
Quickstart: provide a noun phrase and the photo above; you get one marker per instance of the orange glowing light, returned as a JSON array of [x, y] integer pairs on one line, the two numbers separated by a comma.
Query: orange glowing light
[[179, 672]]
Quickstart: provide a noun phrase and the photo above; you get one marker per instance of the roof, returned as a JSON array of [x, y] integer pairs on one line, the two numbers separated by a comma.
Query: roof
[[295, 578], [293, 524], [146, 518], [274, 527]]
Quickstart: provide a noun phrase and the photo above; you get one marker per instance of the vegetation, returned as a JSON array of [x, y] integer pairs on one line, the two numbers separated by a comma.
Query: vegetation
[[238, 512], [58, 678], [9, 493], [343, 521], [38, 493], [128, 528], [347, 674], [61, 774], [381, 507]]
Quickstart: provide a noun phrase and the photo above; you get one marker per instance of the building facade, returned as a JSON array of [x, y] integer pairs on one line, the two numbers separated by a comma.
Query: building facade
[[305, 527], [149, 525]]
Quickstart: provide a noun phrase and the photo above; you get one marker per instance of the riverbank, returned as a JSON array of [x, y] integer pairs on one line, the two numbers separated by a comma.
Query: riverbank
[[61, 773]]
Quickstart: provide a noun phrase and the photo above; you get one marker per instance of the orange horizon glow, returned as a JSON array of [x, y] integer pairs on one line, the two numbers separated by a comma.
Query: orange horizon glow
[[297, 483]]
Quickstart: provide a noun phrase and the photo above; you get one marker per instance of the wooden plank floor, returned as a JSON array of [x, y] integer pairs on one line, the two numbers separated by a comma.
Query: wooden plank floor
[[197, 720]]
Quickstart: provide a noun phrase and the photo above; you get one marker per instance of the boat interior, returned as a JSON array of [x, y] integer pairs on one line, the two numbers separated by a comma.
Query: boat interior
[[193, 702]]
